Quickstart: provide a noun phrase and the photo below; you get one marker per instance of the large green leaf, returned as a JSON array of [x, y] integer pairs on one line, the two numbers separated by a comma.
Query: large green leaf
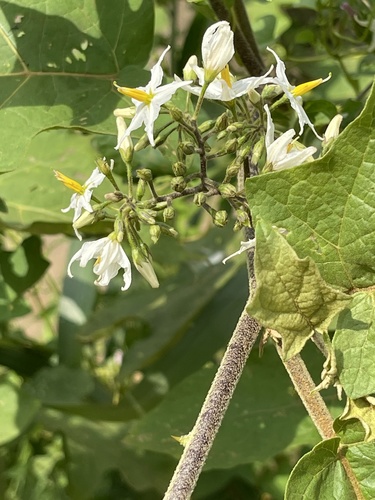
[[354, 344], [291, 296], [362, 459], [328, 206], [59, 60]]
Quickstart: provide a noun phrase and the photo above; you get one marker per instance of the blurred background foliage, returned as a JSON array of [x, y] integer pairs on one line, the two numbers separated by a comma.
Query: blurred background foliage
[[93, 383]]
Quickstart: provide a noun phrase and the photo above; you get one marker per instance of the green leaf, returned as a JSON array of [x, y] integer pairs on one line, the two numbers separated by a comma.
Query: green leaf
[[60, 385], [354, 344], [319, 474], [328, 205], [18, 410], [291, 296], [350, 431], [61, 75], [255, 427], [362, 460]]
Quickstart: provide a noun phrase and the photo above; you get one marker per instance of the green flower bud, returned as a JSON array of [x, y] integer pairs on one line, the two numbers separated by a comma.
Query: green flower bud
[[103, 166], [257, 151], [271, 91], [178, 184], [227, 191], [243, 152], [243, 217], [206, 126], [231, 146], [141, 189], [170, 231], [179, 168], [146, 216], [116, 196], [254, 97], [176, 113], [187, 148], [143, 263], [220, 218], [168, 213], [221, 135], [233, 169], [142, 143], [233, 127], [144, 174], [200, 199], [155, 233], [222, 122]]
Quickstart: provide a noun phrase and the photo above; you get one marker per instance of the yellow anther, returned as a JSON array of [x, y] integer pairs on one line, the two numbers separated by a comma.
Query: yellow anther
[[69, 183], [303, 88], [225, 75], [138, 94]]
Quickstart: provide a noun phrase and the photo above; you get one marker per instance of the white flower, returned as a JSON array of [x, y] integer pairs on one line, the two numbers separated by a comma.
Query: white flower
[[225, 87], [110, 257], [81, 199], [217, 49], [148, 101], [294, 93], [333, 129], [283, 152], [245, 245]]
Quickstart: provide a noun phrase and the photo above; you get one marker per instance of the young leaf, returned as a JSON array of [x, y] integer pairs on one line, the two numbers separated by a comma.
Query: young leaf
[[291, 296], [354, 344]]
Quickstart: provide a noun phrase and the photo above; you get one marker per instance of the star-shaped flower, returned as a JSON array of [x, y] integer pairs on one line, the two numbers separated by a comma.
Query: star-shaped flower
[[294, 93], [110, 257], [148, 101], [283, 152]]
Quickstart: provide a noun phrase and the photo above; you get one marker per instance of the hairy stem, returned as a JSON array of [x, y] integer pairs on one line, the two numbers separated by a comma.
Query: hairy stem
[[316, 408], [216, 403]]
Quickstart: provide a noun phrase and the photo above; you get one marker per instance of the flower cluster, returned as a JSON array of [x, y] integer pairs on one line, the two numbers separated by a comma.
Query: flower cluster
[[244, 129]]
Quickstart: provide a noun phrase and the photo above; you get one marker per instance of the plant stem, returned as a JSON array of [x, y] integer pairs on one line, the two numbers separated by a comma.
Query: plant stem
[[214, 407], [317, 409], [217, 401]]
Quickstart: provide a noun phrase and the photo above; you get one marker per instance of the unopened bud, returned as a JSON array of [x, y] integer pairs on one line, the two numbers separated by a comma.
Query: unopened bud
[[160, 139], [221, 122], [147, 216], [254, 96], [243, 217], [233, 169], [143, 264], [271, 91], [257, 151], [125, 112], [144, 174], [155, 233], [206, 126], [220, 218], [141, 189], [231, 146], [243, 152], [332, 130], [233, 127], [221, 135], [103, 166], [126, 146], [227, 191], [142, 143], [200, 199], [116, 196], [168, 213], [188, 72], [176, 113], [187, 148], [179, 168], [178, 184]]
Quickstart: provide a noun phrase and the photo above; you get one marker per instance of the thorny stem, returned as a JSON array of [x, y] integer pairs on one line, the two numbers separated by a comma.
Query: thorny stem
[[316, 408]]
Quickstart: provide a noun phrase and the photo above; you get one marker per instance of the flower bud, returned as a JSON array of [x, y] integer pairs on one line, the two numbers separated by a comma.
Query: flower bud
[[220, 218], [147, 216], [221, 135], [271, 91], [126, 146], [332, 130], [143, 263], [116, 196], [231, 146], [175, 112], [254, 97], [227, 191], [206, 126], [144, 174], [155, 233], [221, 122], [168, 213], [103, 166], [233, 127], [257, 151], [142, 143], [233, 169], [125, 112], [168, 230], [178, 184], [179, 168], [200, 199], [141, 189], [187, 148], [243, 217], [217, 49], [188, 72]]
